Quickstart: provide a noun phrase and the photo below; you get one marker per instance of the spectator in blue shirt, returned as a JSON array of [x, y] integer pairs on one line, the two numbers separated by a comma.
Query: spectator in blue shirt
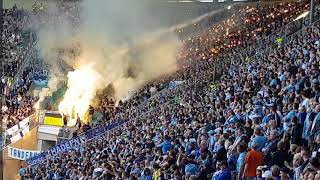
[[266, 118], [241, 149], [307, 125], [165, 145], [293, 112], [259, 139], [232, 119], [302, 114], [146, 175], [225, 173]]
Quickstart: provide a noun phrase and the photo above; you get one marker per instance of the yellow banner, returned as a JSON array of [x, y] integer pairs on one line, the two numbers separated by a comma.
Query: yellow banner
[[54, 121]]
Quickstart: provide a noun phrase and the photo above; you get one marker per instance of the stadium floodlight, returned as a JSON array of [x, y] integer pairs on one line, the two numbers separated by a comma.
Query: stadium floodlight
[[302, 15]]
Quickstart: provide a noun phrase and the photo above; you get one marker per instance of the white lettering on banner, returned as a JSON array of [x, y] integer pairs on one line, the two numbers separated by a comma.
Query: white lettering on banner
[[21, 154], [66, 146], [58, 150], [53, 151]]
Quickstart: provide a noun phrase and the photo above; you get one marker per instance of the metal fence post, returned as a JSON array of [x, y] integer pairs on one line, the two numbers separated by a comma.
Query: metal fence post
[[311, 11]]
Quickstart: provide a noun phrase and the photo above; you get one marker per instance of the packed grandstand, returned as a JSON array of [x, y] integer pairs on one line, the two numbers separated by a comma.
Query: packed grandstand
[[243, 104]]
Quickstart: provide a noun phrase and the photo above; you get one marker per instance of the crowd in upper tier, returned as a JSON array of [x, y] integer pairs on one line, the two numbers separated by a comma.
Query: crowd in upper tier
[[20, 68], [17, 43], [238, 111]]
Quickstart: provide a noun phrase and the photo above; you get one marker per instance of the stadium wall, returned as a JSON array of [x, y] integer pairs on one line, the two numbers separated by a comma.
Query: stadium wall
[[12, 166]]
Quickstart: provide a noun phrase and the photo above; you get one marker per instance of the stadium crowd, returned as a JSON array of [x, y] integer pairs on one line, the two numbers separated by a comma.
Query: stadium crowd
[[17, 43], [239, 112], [241, 29], [245, 113], [18, 38]]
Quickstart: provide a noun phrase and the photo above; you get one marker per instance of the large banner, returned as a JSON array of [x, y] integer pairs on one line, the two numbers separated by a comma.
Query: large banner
[[21, 154], [73, 143]]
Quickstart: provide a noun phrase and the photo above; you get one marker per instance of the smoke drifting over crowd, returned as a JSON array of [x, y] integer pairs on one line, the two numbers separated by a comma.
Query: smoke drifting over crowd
[[119, 44]]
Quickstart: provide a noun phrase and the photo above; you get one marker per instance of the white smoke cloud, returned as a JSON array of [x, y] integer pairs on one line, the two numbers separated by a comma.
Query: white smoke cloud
[[115, 37]]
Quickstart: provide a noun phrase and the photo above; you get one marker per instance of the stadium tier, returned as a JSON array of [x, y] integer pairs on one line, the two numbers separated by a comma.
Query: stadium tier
[[242, 101]]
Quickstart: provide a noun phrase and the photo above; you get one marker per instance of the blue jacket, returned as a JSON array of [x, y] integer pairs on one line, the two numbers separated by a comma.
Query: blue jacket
[[224, 175], [165, 146], [306, 127], [302, 117]]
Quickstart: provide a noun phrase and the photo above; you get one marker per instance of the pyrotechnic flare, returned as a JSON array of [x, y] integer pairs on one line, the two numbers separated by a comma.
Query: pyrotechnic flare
[[127, 47], [82, 84]]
